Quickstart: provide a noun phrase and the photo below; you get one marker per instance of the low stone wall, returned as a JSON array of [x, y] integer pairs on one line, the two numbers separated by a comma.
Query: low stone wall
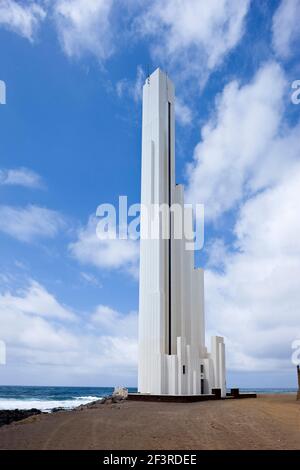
[[170, 398], [216, 395]]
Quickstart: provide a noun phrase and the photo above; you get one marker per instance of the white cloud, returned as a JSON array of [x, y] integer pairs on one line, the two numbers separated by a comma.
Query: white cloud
[[84, 27], [248, 163], [184, 114], [23, 18], [35, 300], [217, 254], [43, 348], [30, 222], [255, 303], [114, 323], [238, 153], [132, 88], [194, 36], [107, 254], [20, 177], [286, 31]]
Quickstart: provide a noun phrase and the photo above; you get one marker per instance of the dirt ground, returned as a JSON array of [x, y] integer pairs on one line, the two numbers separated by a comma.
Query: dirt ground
[[268, 422]]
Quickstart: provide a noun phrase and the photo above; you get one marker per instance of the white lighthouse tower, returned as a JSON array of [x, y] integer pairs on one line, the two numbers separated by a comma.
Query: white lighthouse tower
[[173, 359]]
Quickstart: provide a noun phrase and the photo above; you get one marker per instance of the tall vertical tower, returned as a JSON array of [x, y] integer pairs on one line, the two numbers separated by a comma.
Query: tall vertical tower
[[173, 358]]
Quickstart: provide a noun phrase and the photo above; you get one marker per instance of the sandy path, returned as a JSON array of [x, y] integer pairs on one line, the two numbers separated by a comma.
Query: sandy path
[[269, 422]]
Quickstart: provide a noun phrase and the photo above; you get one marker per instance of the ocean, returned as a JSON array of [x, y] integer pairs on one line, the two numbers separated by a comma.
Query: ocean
[[47, 398]]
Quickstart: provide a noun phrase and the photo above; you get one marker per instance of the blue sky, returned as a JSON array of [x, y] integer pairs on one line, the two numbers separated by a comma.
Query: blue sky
[[70, 138]]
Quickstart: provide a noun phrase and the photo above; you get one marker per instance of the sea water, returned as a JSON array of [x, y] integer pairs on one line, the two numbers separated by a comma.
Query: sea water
[[47, 398]]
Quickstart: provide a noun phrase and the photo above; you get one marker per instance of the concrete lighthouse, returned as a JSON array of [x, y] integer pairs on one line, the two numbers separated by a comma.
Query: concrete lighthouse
[[173, 358]]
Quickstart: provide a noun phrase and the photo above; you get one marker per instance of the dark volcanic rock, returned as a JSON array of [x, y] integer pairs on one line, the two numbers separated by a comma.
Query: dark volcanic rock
[[57, 409], [92, 404], [117, 399], [8, 416]]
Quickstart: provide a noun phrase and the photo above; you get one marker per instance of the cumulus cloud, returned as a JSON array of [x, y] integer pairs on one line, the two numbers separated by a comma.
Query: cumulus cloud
[[255, 302], [247, 164], [23, 18], [20, 177], [107, 253], [238, 153], [84, 27], [35, 300], [286, 31], [188, 36], [191, 35], [29, 223], [183, 113], [132, 88], [47, 341], [115, 323]]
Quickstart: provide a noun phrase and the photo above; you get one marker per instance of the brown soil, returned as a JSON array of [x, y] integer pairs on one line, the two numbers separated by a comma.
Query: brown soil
[[268, 422]]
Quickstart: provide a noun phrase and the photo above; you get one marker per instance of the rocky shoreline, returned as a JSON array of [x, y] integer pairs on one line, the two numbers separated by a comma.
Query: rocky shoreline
[[10, 416]]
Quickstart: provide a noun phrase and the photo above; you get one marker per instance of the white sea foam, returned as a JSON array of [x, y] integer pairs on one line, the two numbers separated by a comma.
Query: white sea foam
[[44, 405]]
